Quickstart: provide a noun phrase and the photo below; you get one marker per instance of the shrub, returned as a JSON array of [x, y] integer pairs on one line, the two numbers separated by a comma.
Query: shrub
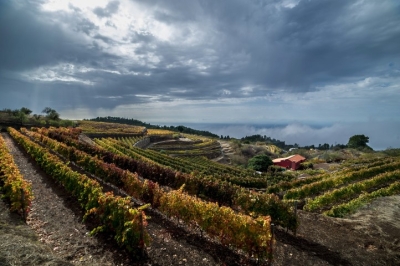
[[306, 165], [260, 163]]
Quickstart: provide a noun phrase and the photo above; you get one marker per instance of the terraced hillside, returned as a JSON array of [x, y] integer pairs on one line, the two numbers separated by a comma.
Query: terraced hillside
[[199, 165], [139, 182], [340, 193], [189, 146], [225, 220]]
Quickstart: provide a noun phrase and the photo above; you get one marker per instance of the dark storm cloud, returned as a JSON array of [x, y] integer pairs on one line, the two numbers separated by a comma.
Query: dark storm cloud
[[27, 41], [339, 39], [313, 43], [217, 50]]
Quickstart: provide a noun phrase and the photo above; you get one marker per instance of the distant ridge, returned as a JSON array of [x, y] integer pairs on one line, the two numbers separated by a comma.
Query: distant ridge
[[135, 122]]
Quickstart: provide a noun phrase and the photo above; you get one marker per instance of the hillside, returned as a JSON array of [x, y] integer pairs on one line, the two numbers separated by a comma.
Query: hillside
[[135, 122], [198, 206]]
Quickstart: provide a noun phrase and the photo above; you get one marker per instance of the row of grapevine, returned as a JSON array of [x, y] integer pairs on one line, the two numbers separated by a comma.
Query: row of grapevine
[[297, 183], [131, 141], [219, 168], [160, 132], [348, 192], [173, 164], [114, 213], [183, 148], [348, 207], [366, 162], [243, 232], [188, 148], [319, 187], [139, 153], [110, 128], [15, 188], [224, 193], [255, 233], [187, 166]]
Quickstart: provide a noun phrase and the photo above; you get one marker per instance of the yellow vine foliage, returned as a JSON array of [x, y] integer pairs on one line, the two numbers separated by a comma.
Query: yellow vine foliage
[[16, 188]]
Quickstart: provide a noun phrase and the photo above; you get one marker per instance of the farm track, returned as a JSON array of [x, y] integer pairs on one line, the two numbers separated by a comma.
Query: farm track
[[318, 250]]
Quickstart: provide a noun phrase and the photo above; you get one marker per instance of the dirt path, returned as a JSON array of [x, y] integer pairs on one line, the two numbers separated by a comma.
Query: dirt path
[[19, 245], [369, 237], [226, 150]]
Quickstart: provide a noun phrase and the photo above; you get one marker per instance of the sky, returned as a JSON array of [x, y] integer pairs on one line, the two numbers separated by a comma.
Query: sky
[[319, 70]]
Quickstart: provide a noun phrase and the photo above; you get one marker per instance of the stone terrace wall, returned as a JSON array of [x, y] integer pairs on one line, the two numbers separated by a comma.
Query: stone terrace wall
[[143, 143]]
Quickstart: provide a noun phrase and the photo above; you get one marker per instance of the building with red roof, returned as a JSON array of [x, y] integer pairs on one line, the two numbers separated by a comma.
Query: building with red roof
[[291, 162]]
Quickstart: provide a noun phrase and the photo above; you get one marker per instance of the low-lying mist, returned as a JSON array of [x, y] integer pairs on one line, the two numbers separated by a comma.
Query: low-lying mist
[[382, 135]]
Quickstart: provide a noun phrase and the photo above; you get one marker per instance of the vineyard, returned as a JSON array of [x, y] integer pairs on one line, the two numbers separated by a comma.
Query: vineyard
[[121, 189], [90, 127], [341, 193], [186, 145]]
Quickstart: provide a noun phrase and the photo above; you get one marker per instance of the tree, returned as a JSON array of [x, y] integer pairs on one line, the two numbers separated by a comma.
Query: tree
[[51, 113], [21, 114], [358, 142], [36, 116], [8, 111], [26, 110], [325, 146], [260, 163], [47, 110]]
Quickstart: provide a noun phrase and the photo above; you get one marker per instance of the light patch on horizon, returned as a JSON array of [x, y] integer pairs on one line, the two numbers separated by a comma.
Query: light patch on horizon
[[108, 97], [178, 91]]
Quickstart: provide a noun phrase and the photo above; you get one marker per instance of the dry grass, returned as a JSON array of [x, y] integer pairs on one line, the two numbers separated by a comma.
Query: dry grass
[[19, 245]]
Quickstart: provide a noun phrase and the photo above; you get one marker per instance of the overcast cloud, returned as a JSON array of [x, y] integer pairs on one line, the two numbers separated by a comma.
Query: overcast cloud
[[297, 62]]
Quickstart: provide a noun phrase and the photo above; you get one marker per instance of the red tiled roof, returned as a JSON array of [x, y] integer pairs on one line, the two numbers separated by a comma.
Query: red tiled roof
[[297, 158], [293, 158]]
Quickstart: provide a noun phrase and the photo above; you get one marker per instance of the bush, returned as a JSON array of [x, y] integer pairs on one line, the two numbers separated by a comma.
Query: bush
[[275, 169], [306, 165], [260, 163], [392, 152]]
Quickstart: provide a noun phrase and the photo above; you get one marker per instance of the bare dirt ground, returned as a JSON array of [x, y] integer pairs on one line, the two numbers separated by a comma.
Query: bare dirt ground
[[55, 235], [368, 237], [226, 150]]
